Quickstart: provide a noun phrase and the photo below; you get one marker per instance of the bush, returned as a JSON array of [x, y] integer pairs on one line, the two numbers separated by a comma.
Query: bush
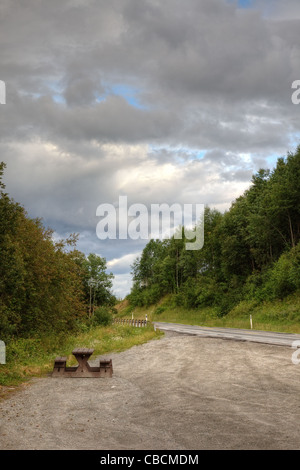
[[284, 276], [102, 316], [159, 310], [198, 292], [244, 308]]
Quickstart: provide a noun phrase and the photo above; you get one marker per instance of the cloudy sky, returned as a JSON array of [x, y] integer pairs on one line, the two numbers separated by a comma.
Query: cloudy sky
[[173, 101]]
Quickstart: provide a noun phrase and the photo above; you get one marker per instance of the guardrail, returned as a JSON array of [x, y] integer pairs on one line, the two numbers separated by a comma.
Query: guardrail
[[131, 322]]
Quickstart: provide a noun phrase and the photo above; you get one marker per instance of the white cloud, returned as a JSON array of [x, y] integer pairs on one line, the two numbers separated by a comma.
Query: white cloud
[[121, 285], [122, 263]]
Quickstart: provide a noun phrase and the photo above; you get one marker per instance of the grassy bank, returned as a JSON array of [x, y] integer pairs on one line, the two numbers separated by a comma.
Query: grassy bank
[[279, 315], [26, 358]]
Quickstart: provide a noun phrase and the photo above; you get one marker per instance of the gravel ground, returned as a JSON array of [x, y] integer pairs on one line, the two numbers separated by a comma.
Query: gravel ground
[[176, 393]]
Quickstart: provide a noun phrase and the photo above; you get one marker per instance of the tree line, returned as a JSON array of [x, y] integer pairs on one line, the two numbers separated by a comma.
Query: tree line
[[250, 252], [45, 285]]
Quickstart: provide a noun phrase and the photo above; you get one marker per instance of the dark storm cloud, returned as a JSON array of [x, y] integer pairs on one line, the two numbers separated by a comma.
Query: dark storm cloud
[[189, 60]]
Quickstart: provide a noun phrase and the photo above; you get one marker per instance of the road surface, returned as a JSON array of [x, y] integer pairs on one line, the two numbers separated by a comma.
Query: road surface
[[257, 336], [178, 392]]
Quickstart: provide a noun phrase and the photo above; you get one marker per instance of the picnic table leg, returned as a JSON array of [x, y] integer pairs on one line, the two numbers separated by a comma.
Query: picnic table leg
[[82, 363]]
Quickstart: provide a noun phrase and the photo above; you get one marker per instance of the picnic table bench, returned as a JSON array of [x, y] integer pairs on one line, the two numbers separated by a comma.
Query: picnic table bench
[[83, 369]]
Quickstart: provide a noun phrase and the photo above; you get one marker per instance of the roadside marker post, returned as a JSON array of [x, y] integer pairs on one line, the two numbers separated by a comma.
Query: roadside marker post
[[2, 352]]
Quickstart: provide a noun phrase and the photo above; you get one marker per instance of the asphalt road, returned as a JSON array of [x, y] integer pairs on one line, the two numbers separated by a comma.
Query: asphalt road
[[257, 336]]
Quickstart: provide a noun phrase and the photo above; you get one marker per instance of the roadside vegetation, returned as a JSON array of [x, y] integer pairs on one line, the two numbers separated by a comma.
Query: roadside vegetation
[[47, 286], [52, 298], [34, 357], [281, 315]]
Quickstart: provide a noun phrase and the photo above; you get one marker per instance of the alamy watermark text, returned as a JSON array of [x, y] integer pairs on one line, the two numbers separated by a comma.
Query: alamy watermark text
[[161, 222], [296, 93], [2, 92]]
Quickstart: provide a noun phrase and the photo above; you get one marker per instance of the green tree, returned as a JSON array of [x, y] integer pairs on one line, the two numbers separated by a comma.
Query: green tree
[[97, 282], [40, 283], [251, 249]]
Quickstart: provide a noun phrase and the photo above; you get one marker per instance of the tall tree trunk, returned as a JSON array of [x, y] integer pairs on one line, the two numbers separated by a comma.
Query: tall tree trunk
[[291, 231], [271, 252]]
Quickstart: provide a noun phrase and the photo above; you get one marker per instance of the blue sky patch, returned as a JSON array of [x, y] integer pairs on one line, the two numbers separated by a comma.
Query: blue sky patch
[[129, 93], [243, 3], [246, 3]]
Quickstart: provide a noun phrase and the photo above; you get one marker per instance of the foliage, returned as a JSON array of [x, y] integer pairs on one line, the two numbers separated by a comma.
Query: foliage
[[35, 356], [284, 276], [251, 252], [97, 282], [102, 316], [43, 283]]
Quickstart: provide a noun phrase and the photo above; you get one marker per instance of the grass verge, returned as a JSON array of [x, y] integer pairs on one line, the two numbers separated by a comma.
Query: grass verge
[[279, 316], [34, 357]]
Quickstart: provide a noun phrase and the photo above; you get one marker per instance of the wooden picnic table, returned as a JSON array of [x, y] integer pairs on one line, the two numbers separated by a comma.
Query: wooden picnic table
[[83, 369]]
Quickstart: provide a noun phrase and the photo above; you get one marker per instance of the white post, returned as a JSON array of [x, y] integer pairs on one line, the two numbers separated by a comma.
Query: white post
[[2, 352], [251, 321]]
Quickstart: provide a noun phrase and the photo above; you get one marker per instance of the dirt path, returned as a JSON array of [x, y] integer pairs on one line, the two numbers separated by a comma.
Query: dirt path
[[179, 392]]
